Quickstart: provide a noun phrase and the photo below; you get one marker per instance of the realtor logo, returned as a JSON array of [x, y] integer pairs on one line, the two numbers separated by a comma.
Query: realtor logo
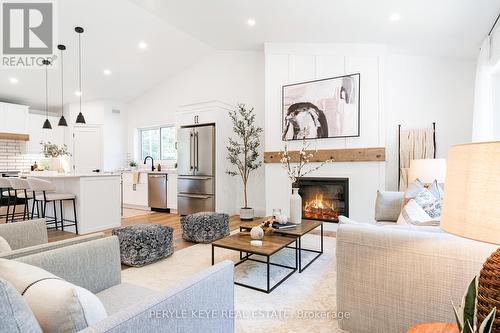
[[27, 29]]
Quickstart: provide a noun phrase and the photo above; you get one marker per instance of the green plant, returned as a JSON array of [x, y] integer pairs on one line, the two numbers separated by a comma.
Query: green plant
[[53, 150], [466, 312], [242, 152], [132, 164]]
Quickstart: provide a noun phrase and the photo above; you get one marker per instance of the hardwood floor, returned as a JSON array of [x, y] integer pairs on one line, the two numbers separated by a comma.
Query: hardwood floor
[[171, 220]]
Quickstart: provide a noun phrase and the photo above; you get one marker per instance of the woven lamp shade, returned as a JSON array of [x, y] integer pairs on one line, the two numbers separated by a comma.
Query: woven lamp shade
[[471, 209]]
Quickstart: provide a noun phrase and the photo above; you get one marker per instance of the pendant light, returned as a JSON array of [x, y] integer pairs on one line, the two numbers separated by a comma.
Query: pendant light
[[46, 124], [62, 120], [79, 30]]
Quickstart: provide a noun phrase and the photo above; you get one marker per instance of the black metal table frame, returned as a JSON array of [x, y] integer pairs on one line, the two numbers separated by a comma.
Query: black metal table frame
[[300, 249], [247, 256]]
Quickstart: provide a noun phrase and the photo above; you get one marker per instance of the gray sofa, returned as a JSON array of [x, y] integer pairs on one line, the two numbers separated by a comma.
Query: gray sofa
[[392, 277], [95, 265], [29, 237]]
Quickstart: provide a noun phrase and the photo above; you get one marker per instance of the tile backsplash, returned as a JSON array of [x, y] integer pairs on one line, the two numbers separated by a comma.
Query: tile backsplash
[[13, 156]]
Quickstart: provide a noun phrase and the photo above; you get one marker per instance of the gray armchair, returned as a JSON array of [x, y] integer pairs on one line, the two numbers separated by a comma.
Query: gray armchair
[[29, 237], [133, 308]]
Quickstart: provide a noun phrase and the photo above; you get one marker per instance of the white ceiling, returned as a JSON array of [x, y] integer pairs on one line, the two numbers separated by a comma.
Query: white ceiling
[[180, 32], [445, 27], [113, 29]]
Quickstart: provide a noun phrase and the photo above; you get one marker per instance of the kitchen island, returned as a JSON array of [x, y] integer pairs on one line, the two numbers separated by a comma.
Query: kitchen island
[[98, 199]]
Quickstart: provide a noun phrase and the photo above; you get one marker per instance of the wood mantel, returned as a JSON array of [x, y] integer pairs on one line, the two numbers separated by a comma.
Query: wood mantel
[[376, 154], [14, 136]]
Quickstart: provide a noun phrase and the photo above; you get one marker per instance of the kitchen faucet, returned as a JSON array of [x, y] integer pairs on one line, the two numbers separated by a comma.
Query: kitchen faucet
[[152, 162]]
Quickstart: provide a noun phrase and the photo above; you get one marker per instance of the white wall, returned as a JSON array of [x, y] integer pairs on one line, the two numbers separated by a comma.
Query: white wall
[[411, 90], [289, 63], [422, 90], [228, 76], [114, 141]]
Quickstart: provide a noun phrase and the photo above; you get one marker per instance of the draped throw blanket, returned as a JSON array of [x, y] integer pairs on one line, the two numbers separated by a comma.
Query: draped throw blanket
[[415, 144]]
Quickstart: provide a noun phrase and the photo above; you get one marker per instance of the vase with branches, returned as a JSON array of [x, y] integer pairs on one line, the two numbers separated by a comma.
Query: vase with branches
[[297, 166], [243, 150]]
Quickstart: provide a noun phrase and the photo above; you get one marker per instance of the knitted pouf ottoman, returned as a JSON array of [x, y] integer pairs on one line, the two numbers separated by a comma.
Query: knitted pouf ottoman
[[143, 244], [204, 227]]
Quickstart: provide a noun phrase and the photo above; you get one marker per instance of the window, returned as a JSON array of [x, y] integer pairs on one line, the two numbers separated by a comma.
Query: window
[[159, 143]]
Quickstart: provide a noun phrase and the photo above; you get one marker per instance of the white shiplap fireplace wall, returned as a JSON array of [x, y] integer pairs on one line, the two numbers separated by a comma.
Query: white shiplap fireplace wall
[[292, 63]]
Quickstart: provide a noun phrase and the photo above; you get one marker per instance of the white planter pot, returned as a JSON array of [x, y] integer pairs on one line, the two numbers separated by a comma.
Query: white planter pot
[[295, 207], [54, 164], [246, 214]]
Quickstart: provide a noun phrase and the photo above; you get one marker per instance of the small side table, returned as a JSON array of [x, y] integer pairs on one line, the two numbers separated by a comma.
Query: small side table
[[434, 328]]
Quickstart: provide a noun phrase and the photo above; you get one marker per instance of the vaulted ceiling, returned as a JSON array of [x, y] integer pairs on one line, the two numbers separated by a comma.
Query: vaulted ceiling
[[178, 33], [435, 27], [113, 30]]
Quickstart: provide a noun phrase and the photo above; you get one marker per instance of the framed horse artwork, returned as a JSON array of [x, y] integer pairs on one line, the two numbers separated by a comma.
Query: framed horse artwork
[[326, 108]]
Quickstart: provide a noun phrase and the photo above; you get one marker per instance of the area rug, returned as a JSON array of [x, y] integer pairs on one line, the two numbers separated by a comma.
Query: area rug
[[303, 303]]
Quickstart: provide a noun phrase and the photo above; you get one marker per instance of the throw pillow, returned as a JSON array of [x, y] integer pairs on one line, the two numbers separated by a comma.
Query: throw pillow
[[15, 313], [59, 306], [413, 213], [429, 203], [4, 246], [436, 190], [388, 205], [413, 190]]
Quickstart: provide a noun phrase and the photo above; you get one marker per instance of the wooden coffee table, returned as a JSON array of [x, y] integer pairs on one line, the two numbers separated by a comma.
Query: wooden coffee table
[[270, 245], [300, 230]]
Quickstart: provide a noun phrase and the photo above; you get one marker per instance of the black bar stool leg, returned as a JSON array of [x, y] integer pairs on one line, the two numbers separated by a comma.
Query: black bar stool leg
[[8, 209], [62, 214], [55, 214], [74, 211], [14, 208]]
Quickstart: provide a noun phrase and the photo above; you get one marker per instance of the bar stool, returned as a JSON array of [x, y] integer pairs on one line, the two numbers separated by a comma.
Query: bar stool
[[5, 192], [21, 187], [43, 193]]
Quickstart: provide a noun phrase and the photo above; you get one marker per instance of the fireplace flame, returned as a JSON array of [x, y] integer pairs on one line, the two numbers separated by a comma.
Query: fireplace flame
[[320, 208]]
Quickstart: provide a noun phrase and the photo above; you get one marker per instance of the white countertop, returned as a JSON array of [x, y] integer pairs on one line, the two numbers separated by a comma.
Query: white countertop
[[163, 172], [62, 175]]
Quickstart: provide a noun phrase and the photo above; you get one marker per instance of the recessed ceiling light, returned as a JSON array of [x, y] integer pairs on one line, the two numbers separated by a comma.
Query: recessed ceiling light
[[251, 22], [394, 17], [78, 93], [142, 45], [13, 80], [106, 72]]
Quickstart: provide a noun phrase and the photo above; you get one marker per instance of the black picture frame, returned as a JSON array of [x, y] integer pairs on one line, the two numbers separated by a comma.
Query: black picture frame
[[335, 78]]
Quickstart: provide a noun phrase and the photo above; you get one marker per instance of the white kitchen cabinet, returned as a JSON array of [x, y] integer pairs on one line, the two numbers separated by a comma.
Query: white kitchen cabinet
[[172, 191], [135, 194], [13, 118], [198, 114]]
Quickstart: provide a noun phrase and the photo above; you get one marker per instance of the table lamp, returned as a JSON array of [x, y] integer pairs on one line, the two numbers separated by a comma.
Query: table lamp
[[471, 209], [427, 170]]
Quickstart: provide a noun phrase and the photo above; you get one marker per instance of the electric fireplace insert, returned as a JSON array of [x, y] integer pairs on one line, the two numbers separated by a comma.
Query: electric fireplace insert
[[324, 199]]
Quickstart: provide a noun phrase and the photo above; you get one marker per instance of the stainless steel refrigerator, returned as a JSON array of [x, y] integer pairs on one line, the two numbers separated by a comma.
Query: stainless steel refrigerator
[[196, 169]]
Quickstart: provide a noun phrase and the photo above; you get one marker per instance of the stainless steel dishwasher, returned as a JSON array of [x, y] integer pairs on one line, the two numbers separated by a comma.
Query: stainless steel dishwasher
[[157, 192]]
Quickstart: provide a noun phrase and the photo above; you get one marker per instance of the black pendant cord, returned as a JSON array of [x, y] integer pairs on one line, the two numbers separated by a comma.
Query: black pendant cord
[[80, 119], [494, 25], [46, 124], [80, 67], [46, 90], [62, 84], [62, 120]]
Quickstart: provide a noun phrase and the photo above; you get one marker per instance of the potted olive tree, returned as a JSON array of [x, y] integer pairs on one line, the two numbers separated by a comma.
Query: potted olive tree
[[242, 151]]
